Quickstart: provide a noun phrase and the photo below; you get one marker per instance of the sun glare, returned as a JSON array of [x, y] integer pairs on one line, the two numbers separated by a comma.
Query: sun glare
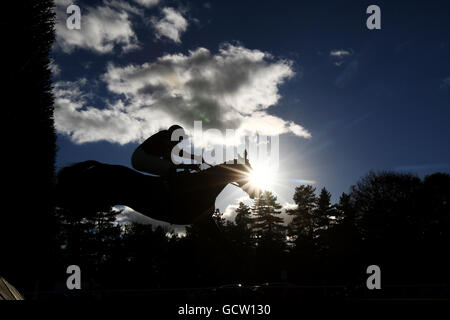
[[263, 177]]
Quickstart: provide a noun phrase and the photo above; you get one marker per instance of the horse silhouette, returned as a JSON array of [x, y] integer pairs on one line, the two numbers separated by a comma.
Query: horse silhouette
[[189, 198]]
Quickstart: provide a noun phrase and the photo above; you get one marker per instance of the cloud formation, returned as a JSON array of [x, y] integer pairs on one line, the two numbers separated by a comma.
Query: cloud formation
[[102, 28], [147, 3], [54, 68], [127, 215], [339, 56], [229, 90], [171, 25], [340, 53], [77, 118]]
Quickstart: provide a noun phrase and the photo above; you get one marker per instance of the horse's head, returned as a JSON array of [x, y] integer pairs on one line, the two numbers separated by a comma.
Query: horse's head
[[240, 170]]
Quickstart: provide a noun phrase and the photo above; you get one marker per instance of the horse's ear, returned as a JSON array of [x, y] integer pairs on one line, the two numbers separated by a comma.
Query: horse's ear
[[246, 157]]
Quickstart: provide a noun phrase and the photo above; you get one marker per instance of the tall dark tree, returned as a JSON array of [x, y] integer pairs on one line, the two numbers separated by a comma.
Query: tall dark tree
[[341, 244], [344, 209], [388, 216], [28, 226], [385, 203], [244, 224], [436, 203], [324, 218], [325, 211], [268, 226], [302, 223], [435, 227], [243, 217]]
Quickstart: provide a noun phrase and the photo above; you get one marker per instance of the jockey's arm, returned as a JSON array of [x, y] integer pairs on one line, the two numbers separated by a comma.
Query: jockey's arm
[[187, 155]]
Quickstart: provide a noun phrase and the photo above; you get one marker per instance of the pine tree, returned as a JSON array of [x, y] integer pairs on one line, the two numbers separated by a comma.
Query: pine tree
[[344, 209], [243, 224], [325, 212], [324, 215], [243, 216], [302, 224], [268, 226]]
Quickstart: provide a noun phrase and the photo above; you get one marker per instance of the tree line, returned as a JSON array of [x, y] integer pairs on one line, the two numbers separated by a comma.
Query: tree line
[[394, 220]]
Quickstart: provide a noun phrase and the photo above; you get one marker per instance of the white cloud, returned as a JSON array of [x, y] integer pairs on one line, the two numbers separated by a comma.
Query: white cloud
[[340, 53], [289, 206], [230, 212], [232, 90], [54, 68], [102, 28], [128, 215], [125, 6], [147, 3], [171, 25], [84, 123]]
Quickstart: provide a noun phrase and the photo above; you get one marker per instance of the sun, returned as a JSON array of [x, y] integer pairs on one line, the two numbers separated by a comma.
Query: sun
[[263, 177]]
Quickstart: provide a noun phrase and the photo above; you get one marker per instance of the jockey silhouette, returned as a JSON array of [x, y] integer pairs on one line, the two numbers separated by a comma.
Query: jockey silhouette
[[154, 154]]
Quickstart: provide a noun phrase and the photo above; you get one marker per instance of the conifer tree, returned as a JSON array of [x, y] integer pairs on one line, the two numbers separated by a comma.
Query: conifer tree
[[244, 224], [302, 224], [325, 212], [269, 227]]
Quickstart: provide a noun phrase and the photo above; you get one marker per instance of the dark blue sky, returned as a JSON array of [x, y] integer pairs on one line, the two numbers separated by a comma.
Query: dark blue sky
[[385, 107]]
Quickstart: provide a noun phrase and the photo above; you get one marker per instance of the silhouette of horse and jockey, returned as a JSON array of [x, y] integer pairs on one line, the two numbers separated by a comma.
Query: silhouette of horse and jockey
[[185, 197]]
